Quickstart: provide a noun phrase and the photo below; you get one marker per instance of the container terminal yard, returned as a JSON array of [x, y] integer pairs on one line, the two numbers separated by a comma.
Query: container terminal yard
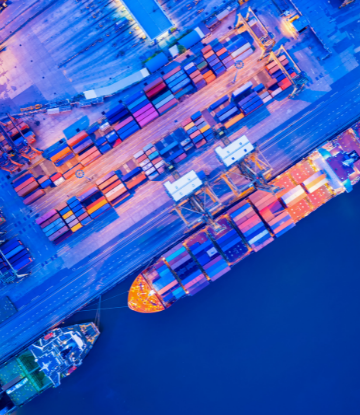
[[88, 160]]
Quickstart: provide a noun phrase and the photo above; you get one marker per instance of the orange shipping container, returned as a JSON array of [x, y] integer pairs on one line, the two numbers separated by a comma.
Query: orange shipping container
[[61, 154], [108, 182], [77, 138]]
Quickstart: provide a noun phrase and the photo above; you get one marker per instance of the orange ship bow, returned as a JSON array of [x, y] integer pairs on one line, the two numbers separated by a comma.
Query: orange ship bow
[[142, 298]]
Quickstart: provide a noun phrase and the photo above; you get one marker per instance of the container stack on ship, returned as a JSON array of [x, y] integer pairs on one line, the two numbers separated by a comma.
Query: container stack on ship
[[43, 364], [250, 225]]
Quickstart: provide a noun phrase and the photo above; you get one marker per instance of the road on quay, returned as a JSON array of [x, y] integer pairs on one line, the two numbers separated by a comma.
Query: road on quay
[[114, 264]]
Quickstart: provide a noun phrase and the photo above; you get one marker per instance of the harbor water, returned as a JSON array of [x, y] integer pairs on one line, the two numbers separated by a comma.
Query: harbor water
[[279, 334]]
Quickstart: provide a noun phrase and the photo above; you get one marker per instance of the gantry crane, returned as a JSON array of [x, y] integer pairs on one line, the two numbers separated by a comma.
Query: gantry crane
[[189, 193], [300, 78], [264, 40], [10, 275], [240, 157]]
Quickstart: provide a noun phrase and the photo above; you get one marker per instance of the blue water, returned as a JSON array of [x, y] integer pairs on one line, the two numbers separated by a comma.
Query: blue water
[[278, 335]]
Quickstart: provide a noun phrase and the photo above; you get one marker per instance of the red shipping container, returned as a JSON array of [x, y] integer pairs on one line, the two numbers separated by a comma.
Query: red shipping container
[[108, 182], [186, 122], [28, 189], [72, 171], [156, 90], [198, 79], [87, 153], [195, 134], [284, 84], [200, 143], [153, 84], [120, 198], [221, 51], [43, 179], [195, 74], [156, 160], [77, 138], [26, 183], [136, 180], [112, 186], [141, 158], [117, 143], [208, 54], [206, 49], [91, 158]]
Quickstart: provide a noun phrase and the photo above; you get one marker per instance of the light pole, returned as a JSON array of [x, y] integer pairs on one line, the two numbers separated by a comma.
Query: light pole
[[80, 174], [238, 65]]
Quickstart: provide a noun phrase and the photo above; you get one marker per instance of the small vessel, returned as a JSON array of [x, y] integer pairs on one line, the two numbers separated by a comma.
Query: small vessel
[[43, 364]]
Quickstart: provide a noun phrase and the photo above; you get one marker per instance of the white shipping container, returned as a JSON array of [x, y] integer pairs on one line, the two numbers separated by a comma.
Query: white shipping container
[[293, 194], [199, 32], [311, 189], [241, 50], [52, 111], [223, 14], [147, 167], [161, 163], [264, 95], [114, 190], [245, 55], [138, 154], [104, 126], [242, 89], [276, 92], [189, 66], [258, 237], [174, 51], [148, 172], [267, 99], [59, 181], [144, 162]]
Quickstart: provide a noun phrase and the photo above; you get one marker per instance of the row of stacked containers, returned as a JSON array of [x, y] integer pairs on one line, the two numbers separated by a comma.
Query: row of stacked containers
[[143, 107], [13, 252], [248, 226], [198, 130], [279, 80], [77, 212]]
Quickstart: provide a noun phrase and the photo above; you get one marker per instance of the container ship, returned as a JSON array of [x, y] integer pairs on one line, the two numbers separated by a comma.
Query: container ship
[[249, 225], [43, 364]]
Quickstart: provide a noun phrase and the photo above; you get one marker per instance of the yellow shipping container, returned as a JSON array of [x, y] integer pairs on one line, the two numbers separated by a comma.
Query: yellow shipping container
[[187, 127], [205, 128], [97, 206], [68, 214], [76, 227]]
